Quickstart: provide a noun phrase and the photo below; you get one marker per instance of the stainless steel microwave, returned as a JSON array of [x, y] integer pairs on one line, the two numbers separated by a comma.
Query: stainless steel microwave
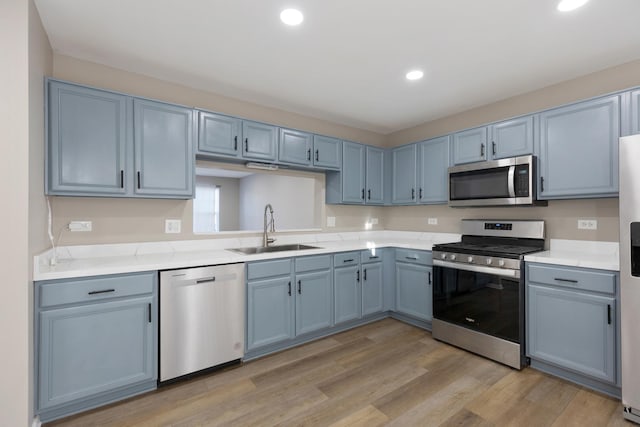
[[504, 182]]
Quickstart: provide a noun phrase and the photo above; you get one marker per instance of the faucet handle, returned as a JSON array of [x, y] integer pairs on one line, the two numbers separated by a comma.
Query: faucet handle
[[270, 240]]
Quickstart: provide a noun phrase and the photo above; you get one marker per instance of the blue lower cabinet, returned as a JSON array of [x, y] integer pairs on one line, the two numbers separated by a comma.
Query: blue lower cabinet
[[94, 352], [347, 296], [372, 285], [313, 301], [573, 330], [413, 290], [270, 310]]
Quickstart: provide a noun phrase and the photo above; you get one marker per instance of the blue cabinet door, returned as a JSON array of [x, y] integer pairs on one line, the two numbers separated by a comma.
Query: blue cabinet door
[[470, 146], [413, 290], [313, 301], [433, 162], [87, 141], [403, 165], [635, 112], [512, 138], [573, 330], [295, 147], [260, 141], [218, 134], [270, 311], [327, 152], [346, 291], [579, 150], [164, 155], [374, 176], [94, 348], [353, 173], [372, 288]]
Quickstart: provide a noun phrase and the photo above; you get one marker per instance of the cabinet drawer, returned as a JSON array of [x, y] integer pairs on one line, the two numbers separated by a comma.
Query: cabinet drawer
[[413, 256], [371, 255], [95, 288], [310, 263], [257, 270], [346, 258], [586, 280]]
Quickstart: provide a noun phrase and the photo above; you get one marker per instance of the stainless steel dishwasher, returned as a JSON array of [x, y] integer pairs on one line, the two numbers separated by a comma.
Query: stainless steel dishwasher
[[201, 318]]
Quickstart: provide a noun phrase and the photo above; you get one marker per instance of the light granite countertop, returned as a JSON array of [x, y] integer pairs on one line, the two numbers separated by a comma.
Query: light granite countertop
[[93, 260], [579, 253]]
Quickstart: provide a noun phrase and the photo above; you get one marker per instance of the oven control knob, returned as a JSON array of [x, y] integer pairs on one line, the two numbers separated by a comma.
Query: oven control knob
[[501, 263], [470, 259], [443, 256], [452, 257], [489, 261]]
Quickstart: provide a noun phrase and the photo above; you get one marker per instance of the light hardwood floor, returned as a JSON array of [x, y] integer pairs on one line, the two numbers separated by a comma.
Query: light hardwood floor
[[384, 373]]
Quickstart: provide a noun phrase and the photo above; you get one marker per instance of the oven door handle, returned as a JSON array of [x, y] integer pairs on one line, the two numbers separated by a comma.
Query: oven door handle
[[511, 184], [478, 269]]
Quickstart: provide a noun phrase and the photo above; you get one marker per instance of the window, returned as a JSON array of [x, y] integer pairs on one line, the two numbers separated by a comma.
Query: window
[[206, 206]]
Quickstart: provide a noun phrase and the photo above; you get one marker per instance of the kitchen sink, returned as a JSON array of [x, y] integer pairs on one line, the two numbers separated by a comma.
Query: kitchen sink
[[277, 248]]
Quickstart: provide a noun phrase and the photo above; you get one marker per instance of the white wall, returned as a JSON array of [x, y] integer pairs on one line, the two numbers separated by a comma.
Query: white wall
[[293, 201]]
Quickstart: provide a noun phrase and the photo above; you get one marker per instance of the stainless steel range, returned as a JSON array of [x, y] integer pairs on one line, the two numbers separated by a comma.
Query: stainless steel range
[[478, 288]]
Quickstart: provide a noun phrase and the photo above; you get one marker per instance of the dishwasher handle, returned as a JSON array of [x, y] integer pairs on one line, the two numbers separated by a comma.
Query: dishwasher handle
[[210, 279]]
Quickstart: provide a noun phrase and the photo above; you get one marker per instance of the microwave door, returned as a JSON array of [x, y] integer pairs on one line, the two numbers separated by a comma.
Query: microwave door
[[486, 184]]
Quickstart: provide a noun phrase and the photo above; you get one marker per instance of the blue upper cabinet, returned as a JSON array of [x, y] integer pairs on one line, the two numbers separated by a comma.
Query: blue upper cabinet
[[579, 150], [295, 147], [353, 171], [511, 138], [87, 141], [403, 164], [374, 175], [260, 141], [218, 134], [327, 152], [164, 155], [470, 145], [433, 178]]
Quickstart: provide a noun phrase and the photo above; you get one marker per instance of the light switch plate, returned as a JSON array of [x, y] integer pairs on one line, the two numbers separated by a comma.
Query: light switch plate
[[374, 221], [432, 221], [80, 226], [331, 221], [588, 224], [172, 226]]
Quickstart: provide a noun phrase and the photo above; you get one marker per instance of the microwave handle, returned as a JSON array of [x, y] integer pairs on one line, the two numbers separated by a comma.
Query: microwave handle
[[511, 185]]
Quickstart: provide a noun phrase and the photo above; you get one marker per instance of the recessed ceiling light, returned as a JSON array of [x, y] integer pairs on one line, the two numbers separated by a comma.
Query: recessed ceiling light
[[569, 5], [414, 75], [291, 17]]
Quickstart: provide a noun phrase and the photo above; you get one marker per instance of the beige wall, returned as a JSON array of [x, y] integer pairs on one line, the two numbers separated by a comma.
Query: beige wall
[[599, 83], [89, 73], [560, 218], [27, 57], [131, 220]]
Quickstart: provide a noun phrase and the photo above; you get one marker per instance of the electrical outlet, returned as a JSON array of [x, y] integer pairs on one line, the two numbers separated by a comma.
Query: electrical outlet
[[331, 221], [374, 221], [172, 225], [432, 221], [80, 226], [587, 224]]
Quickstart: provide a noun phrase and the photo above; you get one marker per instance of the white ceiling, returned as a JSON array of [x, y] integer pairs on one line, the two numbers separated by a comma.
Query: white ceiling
[[346, 62]]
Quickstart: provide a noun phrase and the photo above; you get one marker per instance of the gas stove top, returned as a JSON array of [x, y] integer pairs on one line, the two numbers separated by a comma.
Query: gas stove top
[[491, 243]]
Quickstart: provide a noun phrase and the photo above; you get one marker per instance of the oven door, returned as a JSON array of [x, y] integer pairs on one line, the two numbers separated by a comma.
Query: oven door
[[484, 299]]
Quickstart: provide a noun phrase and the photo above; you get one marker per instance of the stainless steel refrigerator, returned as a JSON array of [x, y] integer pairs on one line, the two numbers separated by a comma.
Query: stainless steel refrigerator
[[630, 274]]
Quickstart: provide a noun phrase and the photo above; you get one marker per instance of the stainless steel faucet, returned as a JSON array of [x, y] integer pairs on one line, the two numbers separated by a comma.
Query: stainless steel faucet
[[268, 226]]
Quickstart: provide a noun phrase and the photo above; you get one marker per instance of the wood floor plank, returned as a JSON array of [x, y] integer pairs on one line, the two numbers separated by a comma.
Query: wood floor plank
[[499, 398], [441, 406], [383, 373], [587, 409], [365, 417]]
